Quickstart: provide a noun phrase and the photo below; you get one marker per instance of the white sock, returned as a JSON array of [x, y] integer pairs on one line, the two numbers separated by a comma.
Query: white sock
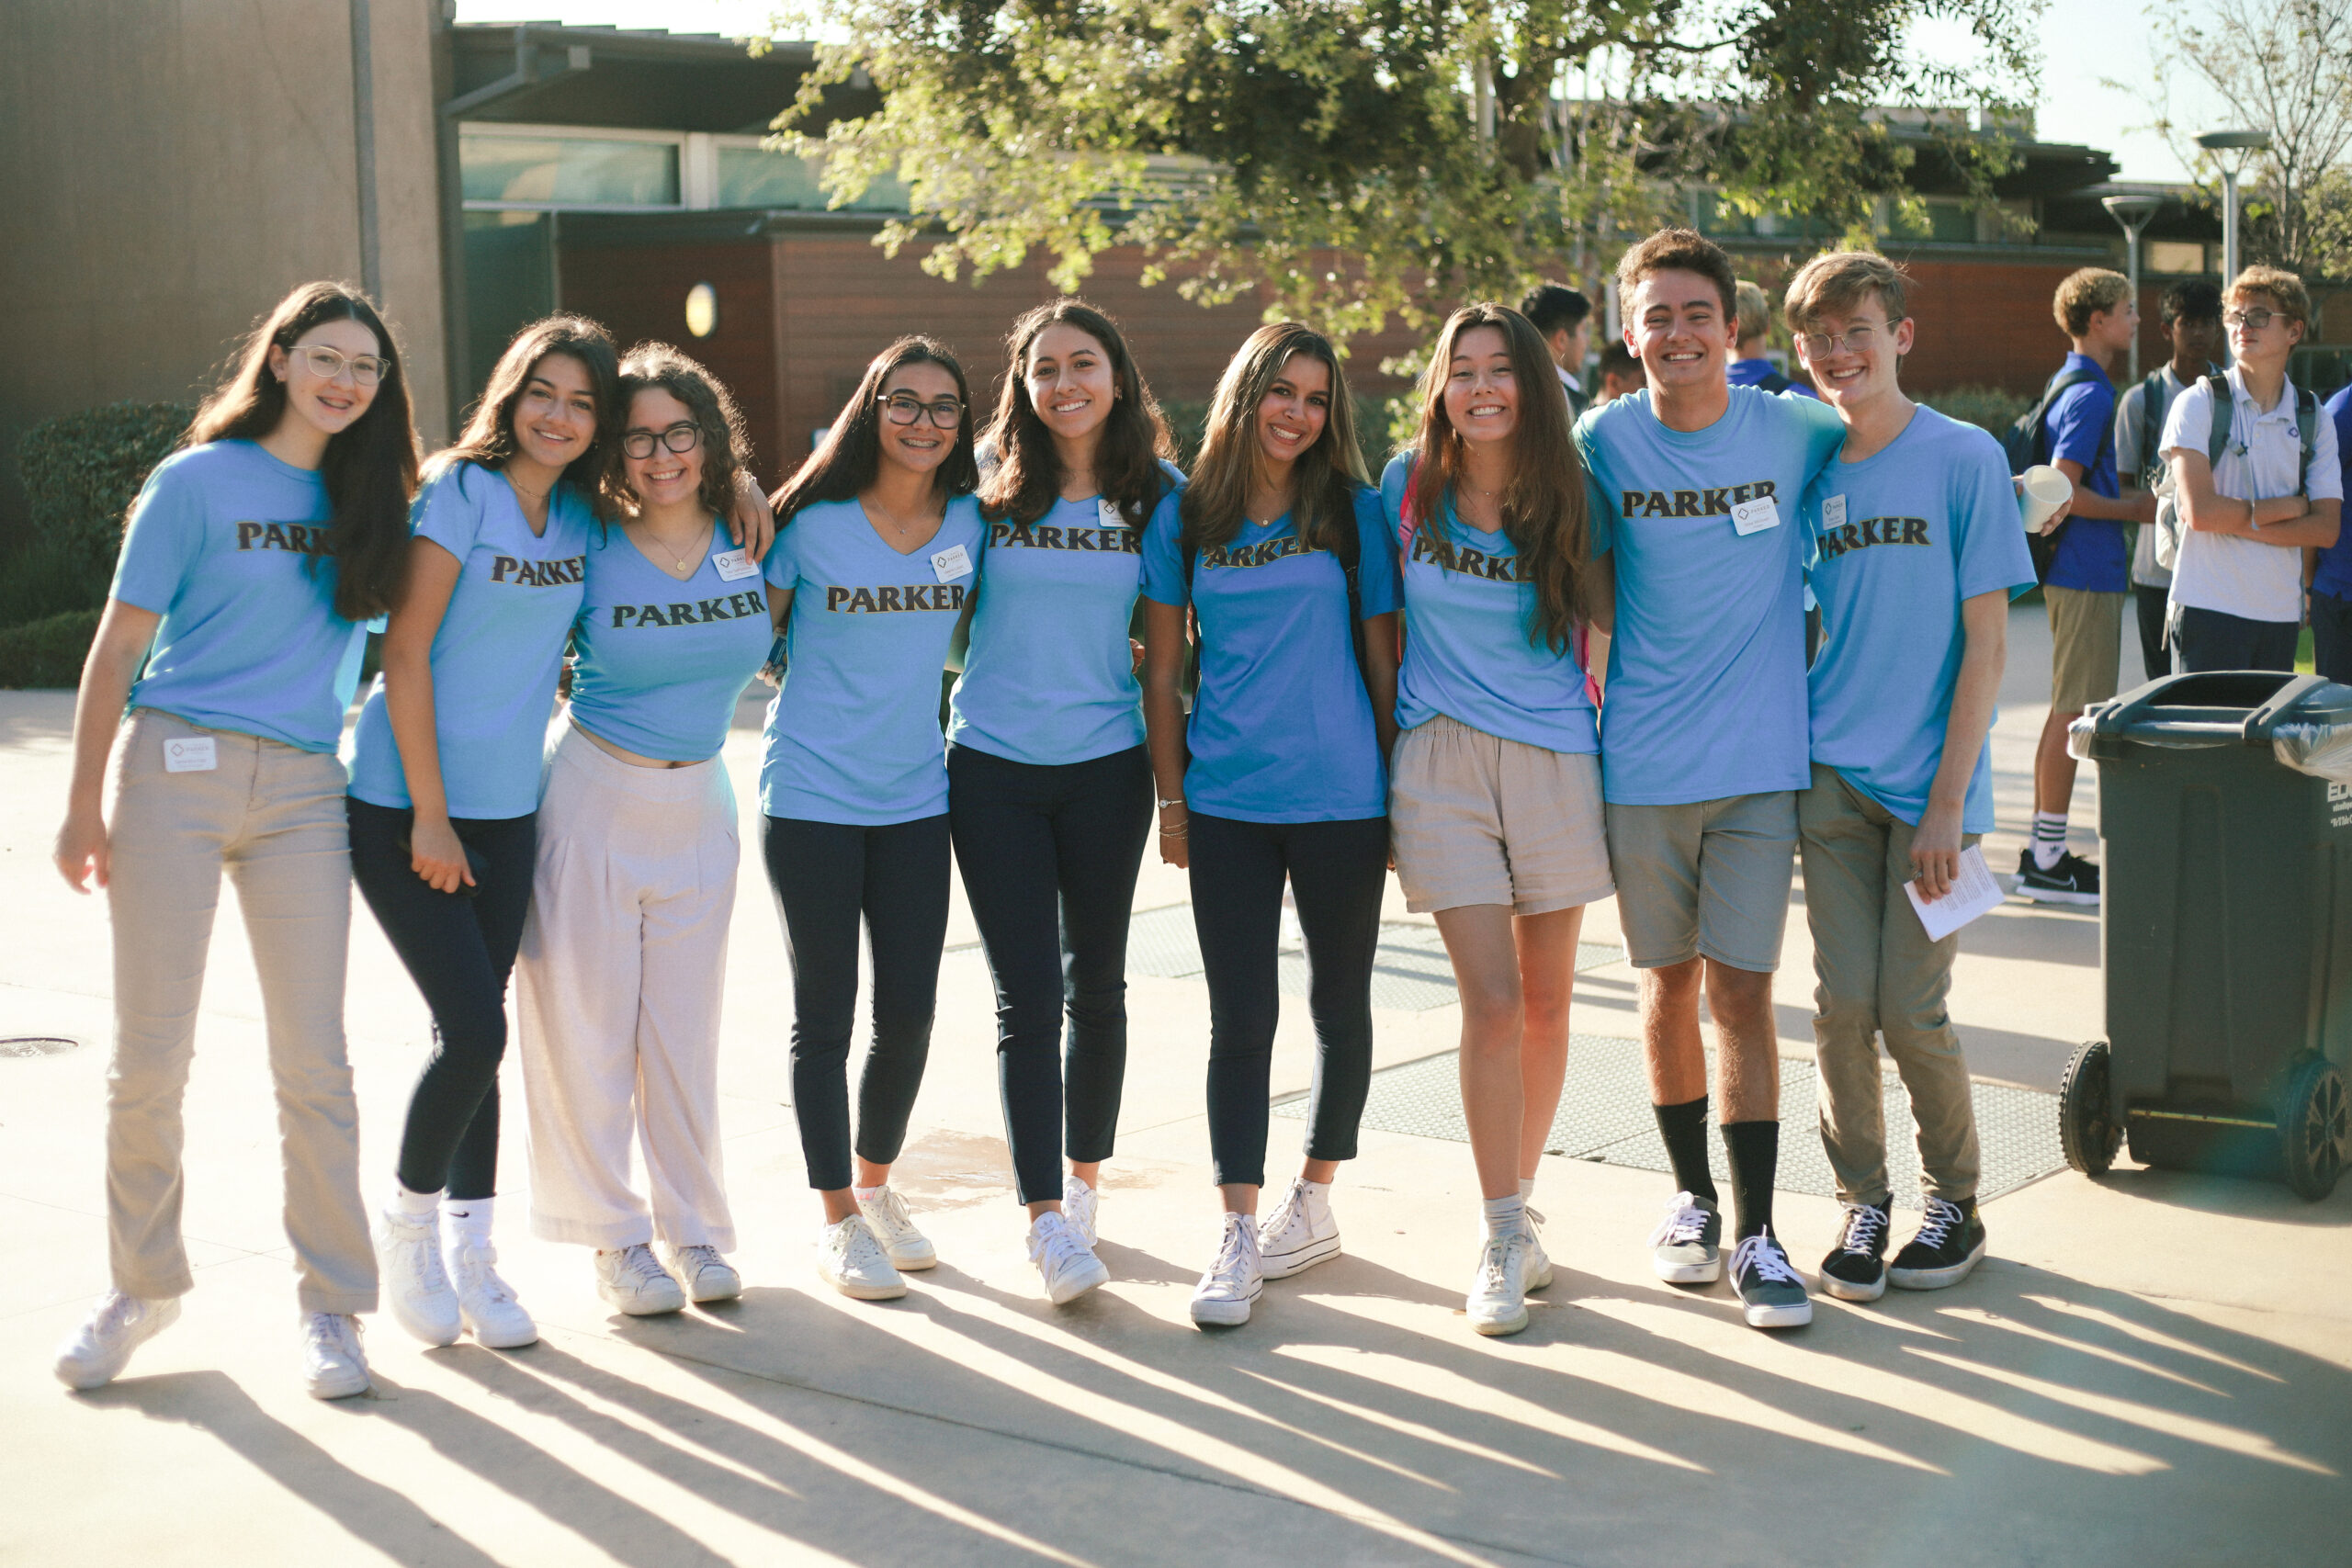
[[466, 1219], [410, 1205], [1504, 1216], [1527, 1189], [866, 1194], [2049, 838]]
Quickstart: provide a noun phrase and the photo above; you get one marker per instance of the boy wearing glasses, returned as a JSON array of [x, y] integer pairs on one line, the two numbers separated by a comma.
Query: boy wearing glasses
[[1916, 551], [2274, 489]]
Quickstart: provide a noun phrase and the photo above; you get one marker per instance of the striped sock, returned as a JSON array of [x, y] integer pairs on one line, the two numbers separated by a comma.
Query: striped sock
[[2049, 838]]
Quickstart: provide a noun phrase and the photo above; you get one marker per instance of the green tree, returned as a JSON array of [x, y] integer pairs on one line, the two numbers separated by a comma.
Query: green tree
[[1350, 160]]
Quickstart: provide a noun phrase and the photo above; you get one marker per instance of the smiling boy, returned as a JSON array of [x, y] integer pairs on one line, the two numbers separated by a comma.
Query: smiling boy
[[1919, 550], [1703, 736]]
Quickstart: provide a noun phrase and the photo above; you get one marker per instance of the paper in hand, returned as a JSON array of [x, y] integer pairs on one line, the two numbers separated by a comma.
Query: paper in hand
[[1973, 891]]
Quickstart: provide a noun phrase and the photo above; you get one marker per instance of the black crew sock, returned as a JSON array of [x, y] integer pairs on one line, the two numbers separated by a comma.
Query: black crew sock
[[1684, 1128], [1754, 1151]]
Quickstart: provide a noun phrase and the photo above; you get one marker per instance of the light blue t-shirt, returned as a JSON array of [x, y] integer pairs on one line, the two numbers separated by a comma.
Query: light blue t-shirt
[[1049, 678], [1706, 691], [1282, 727], [230, 547], [1901, 538], [499, 648], [853, 735], [659, 663], [1466, 651]]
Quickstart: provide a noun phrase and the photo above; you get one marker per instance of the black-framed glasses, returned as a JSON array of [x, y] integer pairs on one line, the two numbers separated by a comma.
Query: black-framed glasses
[[905, 408], [682, 436], [1853, 340], [2252, 321], [327, 364]]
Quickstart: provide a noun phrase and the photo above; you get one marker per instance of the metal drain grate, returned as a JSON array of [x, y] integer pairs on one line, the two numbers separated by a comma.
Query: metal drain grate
[[24, 1047], [1605, 1115]]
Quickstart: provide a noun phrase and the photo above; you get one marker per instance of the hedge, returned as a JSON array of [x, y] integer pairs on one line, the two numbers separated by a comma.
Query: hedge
[[47, 653], [82, 470], [1987, 408]]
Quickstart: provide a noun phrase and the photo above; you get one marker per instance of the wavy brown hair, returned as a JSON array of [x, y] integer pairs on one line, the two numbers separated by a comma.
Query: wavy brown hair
[[852, 453], [371, 464], [726, 451], [1544, 505], [1212, 506], [1028, 478], [487, 440]]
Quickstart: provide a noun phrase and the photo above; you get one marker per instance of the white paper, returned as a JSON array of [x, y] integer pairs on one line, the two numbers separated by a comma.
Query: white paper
[[1833, 512], [1973, 891], [952, 563], [1755, 516], [190, 754], [734, 565]]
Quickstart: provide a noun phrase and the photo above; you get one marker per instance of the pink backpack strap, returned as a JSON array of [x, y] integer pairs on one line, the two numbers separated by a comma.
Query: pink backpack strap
[[1405, 521]]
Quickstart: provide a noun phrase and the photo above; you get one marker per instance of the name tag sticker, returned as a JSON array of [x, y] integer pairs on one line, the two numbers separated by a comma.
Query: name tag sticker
[[1833, 512], [952, 563], [1755, 516], [1108, 515], [734, 565], [190, 754]]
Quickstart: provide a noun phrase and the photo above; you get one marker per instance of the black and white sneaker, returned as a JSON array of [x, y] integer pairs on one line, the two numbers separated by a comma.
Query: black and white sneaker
[[2073, 880], [1769, 1290], [1951, 1240], [1855, 1269]]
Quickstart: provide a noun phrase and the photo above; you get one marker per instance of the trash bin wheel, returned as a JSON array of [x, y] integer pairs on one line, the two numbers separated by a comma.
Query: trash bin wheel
[[2087, 1134], [2315, 1129]]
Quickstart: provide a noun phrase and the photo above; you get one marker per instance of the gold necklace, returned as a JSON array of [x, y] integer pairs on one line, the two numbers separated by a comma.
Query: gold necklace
[[679, 561]]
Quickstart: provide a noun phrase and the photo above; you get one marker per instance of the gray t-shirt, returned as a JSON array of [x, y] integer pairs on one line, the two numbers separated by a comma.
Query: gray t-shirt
[[2137, 459]]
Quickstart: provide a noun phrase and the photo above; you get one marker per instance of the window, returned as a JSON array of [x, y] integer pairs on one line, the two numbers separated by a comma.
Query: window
[[568, 171], [751, 175]]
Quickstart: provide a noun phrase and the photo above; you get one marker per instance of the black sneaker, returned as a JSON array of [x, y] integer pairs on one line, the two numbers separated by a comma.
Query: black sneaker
[[1855, 1269], [2073, 880], [1771, 1292], [1951, 1240]]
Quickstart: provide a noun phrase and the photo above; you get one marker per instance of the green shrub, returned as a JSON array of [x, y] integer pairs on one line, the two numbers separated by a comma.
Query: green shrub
[[47, 653], [47, 576], [1988, 407], [82, 470]]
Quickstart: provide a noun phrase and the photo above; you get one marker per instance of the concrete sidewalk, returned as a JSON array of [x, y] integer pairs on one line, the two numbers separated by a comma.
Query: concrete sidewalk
[[2149, 1369]]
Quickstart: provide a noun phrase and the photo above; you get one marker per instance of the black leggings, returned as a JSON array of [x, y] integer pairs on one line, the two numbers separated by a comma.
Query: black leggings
[[1049, 857], [459, 948], [1338, 872], [826, 874]]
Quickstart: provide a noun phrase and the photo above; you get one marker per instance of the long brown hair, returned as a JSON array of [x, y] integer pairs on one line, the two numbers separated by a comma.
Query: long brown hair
[[371, 464], [725, 447], [1028, 478], [1212, 508], [487, 440], [1544, 504], [852, 454]]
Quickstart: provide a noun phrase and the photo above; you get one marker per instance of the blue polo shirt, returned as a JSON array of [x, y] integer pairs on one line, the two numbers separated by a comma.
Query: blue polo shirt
[[2080, 428], [1755, 372], [2335, 574]]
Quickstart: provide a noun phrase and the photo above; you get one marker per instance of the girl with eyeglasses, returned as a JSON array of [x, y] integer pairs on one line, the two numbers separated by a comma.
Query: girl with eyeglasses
[[877, 551], [1495, 793], [445, 789], [625, 950], [232, 636], [1277, 550], [1049, 786]]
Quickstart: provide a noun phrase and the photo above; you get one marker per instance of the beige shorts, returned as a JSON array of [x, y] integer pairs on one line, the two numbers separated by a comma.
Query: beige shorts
[[1709, 879], [1482, 820], [2087, 645]]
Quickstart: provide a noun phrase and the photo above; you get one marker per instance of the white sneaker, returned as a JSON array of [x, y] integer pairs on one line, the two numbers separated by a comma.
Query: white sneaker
[[1298, 1235], [706, 1275], [1068, 1265], [416, 1283], [334, 1365], [486, 1302], [96, 1353], [850, 1258], [634, 1281], [1081, 1206], [895, 1229], [1233, 1281], [1536, 1273], [1498, 1302]]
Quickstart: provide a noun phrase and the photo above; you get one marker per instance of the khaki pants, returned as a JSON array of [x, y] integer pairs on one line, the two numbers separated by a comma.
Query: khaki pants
[[272, 817], [1878, 974]]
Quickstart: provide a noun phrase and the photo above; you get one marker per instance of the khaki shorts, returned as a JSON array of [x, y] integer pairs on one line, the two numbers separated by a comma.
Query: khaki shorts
[[1482, 820], [1709, 879], [2086, 638]]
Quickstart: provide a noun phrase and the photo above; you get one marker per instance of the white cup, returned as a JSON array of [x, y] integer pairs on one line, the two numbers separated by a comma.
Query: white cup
[[2046, 490]]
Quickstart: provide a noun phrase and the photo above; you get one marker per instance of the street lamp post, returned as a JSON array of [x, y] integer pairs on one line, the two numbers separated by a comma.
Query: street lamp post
[[2240, 143], [2133, 213]]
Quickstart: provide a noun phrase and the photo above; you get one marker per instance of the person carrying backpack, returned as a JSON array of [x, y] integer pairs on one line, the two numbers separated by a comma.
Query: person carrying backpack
[[2190, 314]]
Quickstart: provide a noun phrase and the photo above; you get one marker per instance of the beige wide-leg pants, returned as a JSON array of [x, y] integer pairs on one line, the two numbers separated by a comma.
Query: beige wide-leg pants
[[619, 980], [272, 816]]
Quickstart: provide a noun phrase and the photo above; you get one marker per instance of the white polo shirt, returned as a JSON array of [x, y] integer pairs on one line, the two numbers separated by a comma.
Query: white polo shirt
[[2242, 576]]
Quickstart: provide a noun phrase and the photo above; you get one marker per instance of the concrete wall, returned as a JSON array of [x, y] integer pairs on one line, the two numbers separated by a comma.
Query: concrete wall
[[172, 167]]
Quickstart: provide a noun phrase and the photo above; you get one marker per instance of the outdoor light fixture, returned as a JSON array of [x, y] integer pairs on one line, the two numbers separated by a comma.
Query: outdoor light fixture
[[2241, 142], [2133, 212], [702, 310]]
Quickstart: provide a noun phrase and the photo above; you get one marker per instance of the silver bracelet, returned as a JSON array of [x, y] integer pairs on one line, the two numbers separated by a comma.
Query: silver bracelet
[[1177, 801]]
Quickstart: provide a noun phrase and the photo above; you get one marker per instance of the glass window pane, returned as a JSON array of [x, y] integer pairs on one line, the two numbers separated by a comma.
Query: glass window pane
[[568, 170], [753, 176]]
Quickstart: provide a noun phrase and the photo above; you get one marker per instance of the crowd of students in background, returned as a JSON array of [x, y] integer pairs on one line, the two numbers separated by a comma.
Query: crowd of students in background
[[1555, 650]]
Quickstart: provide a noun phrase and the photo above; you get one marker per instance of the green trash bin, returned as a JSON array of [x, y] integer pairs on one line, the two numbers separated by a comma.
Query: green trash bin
[[2225, 930]]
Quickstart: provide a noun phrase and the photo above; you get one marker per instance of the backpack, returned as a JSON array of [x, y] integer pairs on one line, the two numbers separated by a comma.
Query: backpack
[[2022, 445], [2216, 442], [1772, 383]]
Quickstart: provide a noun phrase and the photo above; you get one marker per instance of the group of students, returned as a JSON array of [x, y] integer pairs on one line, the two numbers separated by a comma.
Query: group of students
[[1332, 671]]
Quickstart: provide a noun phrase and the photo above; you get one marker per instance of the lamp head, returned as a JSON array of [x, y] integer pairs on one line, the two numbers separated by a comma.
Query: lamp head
[[2133, 211], [2234, 140]]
